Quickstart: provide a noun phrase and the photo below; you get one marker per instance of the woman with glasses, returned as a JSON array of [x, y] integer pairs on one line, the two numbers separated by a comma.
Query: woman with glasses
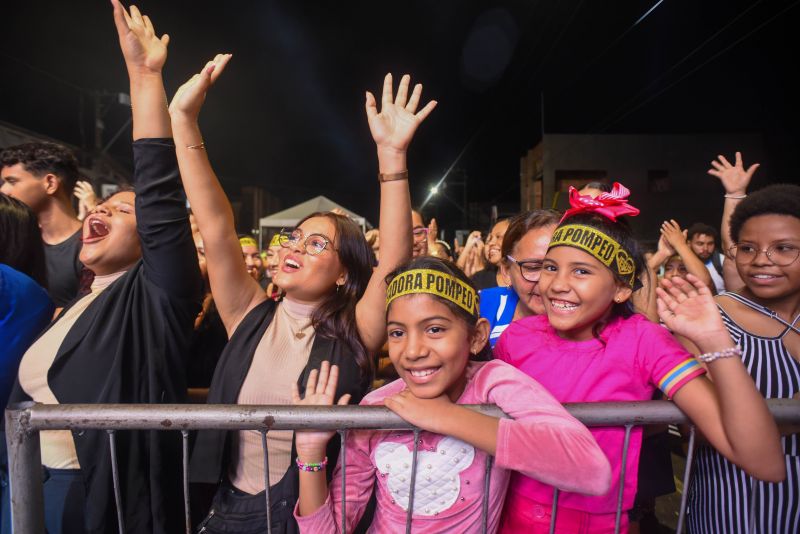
[[763, 318], [333, 309], [523, 249]]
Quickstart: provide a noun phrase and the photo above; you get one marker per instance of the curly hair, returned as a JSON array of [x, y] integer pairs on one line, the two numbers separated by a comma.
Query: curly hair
[[40, 159], [777, 199]]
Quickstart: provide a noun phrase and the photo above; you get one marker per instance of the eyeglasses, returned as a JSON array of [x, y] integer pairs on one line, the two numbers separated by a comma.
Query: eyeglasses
[[782, 254], [529, 269], [314, 244], [419, 233]]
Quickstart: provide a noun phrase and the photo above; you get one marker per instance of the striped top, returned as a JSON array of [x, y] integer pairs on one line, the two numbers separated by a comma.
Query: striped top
[[721, 495]]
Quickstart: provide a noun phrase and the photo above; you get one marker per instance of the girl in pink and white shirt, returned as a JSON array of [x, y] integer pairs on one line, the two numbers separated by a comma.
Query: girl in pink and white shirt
[[434, 328]]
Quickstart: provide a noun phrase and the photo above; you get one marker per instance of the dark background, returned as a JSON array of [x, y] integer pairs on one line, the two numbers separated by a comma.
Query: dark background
[[288, 113]]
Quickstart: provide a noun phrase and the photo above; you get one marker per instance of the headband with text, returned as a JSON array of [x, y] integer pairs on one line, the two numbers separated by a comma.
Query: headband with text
[[433, 282], [247, 241], [277, 239], [600, 245]]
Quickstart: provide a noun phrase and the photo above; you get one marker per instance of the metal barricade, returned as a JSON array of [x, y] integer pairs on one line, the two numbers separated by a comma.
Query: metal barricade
[[25, 421]]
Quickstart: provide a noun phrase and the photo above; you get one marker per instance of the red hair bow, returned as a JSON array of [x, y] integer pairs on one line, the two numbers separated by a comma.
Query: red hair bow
[[610, 205]]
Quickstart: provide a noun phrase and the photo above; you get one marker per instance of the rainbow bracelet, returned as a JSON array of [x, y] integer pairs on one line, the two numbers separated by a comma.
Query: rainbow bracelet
[[311, 467]]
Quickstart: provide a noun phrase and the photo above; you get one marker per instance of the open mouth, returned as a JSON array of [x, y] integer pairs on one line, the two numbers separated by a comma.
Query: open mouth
[[290, 265], [95, 230], [563, 306], [421, 376]]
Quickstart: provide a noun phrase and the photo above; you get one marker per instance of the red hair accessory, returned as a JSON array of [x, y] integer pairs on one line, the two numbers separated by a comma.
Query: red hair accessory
[[610, 205]]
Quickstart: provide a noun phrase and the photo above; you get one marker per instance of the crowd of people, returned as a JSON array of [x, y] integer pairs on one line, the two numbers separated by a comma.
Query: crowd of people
[[135, 299]]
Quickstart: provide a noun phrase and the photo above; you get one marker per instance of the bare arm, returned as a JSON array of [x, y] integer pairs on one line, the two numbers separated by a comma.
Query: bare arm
[[731, 412], [392, 129], [235, 292], [145, 55]]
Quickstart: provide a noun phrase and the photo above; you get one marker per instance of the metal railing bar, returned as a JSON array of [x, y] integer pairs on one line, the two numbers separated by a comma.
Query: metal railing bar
[[554, 511], [413, 483], [186, 504], [625, 443], [265, 450], [343, 459], [112, 445], [254, 417], [687, 478], [487, 480]]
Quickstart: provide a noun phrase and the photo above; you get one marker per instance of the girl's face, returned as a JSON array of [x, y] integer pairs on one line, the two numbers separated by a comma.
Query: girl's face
[[531, 248], [430, 346], [578, 291], [675, 267], [494, 242], [310, 277], [764, 278]]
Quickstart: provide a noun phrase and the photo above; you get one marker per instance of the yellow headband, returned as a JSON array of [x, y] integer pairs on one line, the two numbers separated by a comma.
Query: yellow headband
[[436, 283], [247, 241], [277, 239], [599, 245]]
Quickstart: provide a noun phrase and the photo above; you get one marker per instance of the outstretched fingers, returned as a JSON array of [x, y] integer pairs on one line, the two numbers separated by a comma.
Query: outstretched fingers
[[424, 112], [371, 106], [386, 98], [413, 102], [121, 18], [402, 91]]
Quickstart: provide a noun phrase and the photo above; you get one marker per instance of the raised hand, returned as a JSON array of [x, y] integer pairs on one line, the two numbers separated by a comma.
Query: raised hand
[[394, 127], [688, 309], [433, 233], [320, 391], [189, 98], [734, 178], [143, 50], [672, 233], [87, 200]]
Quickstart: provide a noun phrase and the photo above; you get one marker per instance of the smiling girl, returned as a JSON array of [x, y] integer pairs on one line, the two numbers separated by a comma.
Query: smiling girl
[[591, 347], [434, 331]]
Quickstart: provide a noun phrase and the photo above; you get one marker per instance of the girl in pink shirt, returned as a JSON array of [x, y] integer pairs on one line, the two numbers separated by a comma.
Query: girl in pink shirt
[[434, 328], [591, 347]]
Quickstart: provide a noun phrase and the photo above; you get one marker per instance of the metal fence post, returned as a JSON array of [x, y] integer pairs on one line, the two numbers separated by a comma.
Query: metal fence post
[[24, 471]]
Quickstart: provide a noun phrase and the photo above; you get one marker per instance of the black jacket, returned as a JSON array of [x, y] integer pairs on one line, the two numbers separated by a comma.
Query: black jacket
[[212, 450], [129, 346]]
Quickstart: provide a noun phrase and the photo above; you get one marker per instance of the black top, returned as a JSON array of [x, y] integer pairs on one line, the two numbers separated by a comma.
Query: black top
[[486, 278], [212, 449], [129, 346], [63, 269]]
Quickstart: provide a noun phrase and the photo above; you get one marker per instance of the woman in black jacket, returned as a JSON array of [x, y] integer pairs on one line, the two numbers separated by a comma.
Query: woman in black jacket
[[126, 341], [333, 308]]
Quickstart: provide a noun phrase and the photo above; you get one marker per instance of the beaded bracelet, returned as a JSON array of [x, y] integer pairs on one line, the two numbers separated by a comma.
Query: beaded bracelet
[[725, 353], [311, 467]]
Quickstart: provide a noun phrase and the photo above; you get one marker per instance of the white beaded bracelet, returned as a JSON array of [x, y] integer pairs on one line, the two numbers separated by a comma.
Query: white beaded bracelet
[[725, 353]]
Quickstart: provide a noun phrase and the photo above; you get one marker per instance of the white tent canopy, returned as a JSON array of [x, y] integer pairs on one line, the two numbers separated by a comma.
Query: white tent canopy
[[289, 217]]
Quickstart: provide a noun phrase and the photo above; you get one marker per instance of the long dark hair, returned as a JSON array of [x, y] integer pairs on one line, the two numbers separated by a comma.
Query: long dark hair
[[335, 317], [448, 267], [21, 245], [622, 233]]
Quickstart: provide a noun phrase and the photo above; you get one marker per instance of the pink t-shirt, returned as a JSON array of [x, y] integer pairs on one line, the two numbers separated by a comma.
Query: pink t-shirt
[[541, 439], [638, 356]]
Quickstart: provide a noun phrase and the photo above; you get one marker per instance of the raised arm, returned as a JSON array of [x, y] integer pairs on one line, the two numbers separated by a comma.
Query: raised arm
[[734, 179], [392, 129], [235, 292], [161, 219], [730, 412], [671, 231]]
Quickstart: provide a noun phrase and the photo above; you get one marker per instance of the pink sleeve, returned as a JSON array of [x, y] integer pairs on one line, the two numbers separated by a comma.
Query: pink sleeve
[[500, 351], [542, 440], [360, 481], [665, 362]]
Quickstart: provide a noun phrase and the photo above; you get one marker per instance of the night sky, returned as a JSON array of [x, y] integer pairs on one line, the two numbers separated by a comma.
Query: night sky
[[288, 112]]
